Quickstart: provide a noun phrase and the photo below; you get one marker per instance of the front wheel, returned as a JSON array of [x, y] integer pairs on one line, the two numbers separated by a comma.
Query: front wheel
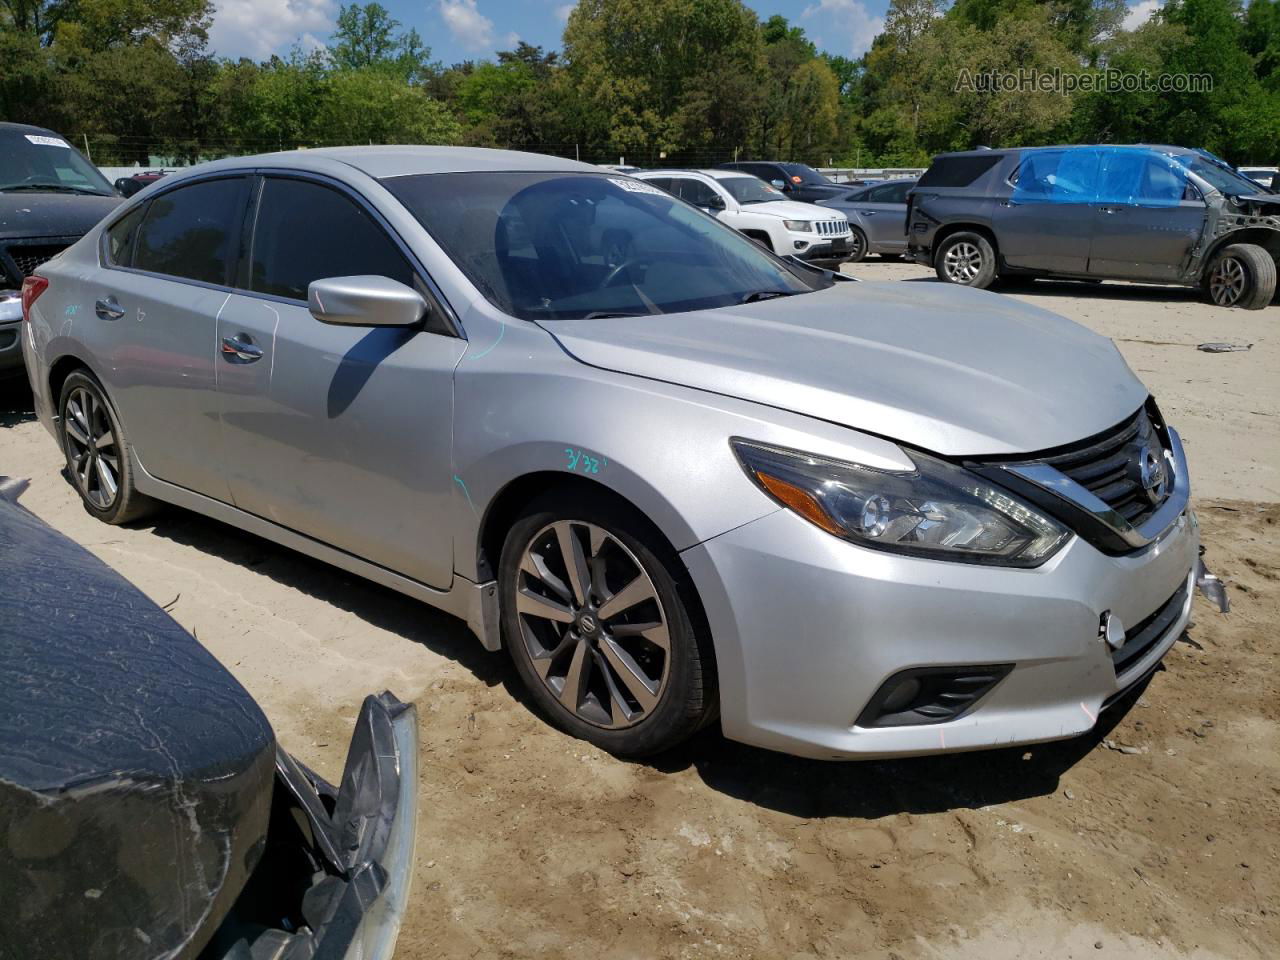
[[599, 628], [1241, 275], [967, 259]]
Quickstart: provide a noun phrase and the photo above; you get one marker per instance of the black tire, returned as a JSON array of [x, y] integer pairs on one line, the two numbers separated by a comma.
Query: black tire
[[1240, 275], [685, 697], [967, 259], [857, 245], [891, 257], [96, 448]]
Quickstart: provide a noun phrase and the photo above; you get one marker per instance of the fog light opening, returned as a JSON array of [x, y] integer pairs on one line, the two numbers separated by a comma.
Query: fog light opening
[[924, 695]]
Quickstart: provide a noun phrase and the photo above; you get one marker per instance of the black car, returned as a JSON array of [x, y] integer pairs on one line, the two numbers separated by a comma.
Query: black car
[[50, 196], [146, 809], [796, 180], [1157, 214]]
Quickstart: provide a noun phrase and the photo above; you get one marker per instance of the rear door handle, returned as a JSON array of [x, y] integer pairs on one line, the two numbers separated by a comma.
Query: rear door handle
[[1109, 209], [108, 309], [240, 349]]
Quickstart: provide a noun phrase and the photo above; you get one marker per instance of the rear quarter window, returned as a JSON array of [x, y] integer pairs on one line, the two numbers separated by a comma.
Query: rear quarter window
[[958, 171], [120, 238]]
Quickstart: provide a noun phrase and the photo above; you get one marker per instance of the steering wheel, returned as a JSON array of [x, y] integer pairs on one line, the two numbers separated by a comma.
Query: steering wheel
[[613, 274]]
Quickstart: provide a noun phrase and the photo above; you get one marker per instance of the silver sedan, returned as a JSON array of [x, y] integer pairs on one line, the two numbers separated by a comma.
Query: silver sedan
[[675, 476], [877, 217]]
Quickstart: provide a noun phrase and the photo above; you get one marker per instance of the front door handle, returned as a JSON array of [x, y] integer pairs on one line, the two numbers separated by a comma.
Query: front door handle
[[108, 309], [867, 213], [240, 349], [1109, 209]]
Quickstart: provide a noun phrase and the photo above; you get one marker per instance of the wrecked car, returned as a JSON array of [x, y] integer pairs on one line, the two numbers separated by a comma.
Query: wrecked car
[[146, 809], [677, 477], [1154, 214]]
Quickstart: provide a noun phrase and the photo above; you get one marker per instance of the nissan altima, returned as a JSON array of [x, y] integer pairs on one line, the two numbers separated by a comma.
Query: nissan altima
[[676, 476]]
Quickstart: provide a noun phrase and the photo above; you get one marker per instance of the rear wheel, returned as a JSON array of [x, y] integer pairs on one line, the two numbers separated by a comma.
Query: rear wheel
[[967, 259], [857, 245], [1241, 275], [599, 628], [97, 452]]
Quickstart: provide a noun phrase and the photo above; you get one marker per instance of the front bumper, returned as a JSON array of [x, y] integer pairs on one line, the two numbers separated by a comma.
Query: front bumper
[[337, 864], [804, 246], [808, 627], [11, 364]]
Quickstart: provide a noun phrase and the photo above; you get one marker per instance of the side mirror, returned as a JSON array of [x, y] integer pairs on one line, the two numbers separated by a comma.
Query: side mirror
[[715, 203], [365, 302], [780, 184]]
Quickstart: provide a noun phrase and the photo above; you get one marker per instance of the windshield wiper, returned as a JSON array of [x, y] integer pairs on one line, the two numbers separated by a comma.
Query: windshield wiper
[[755, 296], [53, 187], [609, 315]]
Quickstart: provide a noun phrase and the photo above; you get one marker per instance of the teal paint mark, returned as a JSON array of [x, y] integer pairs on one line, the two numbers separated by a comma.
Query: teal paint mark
[[580, 461], [502, 332], [73, 309], [458, 480]]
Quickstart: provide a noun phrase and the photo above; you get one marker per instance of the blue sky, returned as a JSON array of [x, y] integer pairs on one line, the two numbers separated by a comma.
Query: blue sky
[[473, 29]]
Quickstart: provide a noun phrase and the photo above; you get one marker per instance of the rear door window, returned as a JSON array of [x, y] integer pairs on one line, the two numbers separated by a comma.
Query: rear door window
[[1057, 176], [306, 231], [190, 232], [1140, 178]]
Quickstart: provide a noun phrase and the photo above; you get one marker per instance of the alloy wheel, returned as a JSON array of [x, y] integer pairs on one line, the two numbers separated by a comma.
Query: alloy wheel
[[92, 451], [593, 624], [962, 262], [855, 244], [1227, 282]]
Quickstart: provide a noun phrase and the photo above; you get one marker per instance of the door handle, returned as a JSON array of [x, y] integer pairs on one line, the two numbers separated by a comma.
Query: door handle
[[240, 349], [1006, 203], [108, 309], [867, 213], [1109, 209]]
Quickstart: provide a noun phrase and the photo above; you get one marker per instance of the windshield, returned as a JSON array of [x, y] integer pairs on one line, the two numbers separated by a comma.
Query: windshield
[[751, 190], [806, 174], [40, 163], [1219, 175], [560, 246]]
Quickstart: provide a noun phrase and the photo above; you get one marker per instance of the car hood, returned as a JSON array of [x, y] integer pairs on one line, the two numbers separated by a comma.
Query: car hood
[[787, 209], [955, 371], [34, 215]]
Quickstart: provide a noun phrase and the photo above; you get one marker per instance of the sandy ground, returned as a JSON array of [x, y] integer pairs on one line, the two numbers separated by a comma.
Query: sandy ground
[[535, 845]]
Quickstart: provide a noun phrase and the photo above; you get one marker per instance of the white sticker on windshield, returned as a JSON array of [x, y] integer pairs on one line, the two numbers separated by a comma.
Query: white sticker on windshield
[[636, 186], [48, 141]]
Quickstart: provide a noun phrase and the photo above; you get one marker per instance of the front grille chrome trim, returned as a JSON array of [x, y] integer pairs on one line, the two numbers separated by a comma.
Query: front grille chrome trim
[[1059, 484]]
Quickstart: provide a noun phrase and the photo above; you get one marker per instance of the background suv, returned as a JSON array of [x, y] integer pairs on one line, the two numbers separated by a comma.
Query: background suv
[[49, 196], [761, 212], [1147, 213], [797, 180]]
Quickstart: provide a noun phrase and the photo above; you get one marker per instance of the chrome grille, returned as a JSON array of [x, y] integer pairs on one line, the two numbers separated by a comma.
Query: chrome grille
[[832, 228], [1111, 469]]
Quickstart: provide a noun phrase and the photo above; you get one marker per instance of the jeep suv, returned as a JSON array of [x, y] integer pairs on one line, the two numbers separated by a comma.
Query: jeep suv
[[1153, 214]]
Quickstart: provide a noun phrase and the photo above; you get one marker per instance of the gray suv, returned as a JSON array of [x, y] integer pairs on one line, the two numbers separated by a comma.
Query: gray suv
[[1155, 214]]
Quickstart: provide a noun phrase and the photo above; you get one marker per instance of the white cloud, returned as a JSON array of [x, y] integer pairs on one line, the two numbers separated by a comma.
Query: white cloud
[[1140, 13], [259, 28], [846, 20], [470, 27], [563, 11]]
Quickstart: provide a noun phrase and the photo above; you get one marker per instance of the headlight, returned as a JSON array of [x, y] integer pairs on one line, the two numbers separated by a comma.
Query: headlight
[[939, 511], [799, 226]]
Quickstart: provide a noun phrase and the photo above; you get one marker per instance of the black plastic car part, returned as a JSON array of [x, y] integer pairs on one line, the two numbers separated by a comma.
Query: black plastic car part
[[923, 695], [146, 810]]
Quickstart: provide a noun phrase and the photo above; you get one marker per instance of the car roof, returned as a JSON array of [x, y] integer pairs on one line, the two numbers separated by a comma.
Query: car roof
[[713, 174], [1004, 151], [6, 127], [381, 162]]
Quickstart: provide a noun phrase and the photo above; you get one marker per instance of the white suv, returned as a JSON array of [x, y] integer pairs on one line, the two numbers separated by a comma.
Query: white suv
[[760, 211]]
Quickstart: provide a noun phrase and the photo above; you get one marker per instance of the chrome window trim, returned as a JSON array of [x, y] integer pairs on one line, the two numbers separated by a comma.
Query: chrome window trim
[[1054, 481]]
